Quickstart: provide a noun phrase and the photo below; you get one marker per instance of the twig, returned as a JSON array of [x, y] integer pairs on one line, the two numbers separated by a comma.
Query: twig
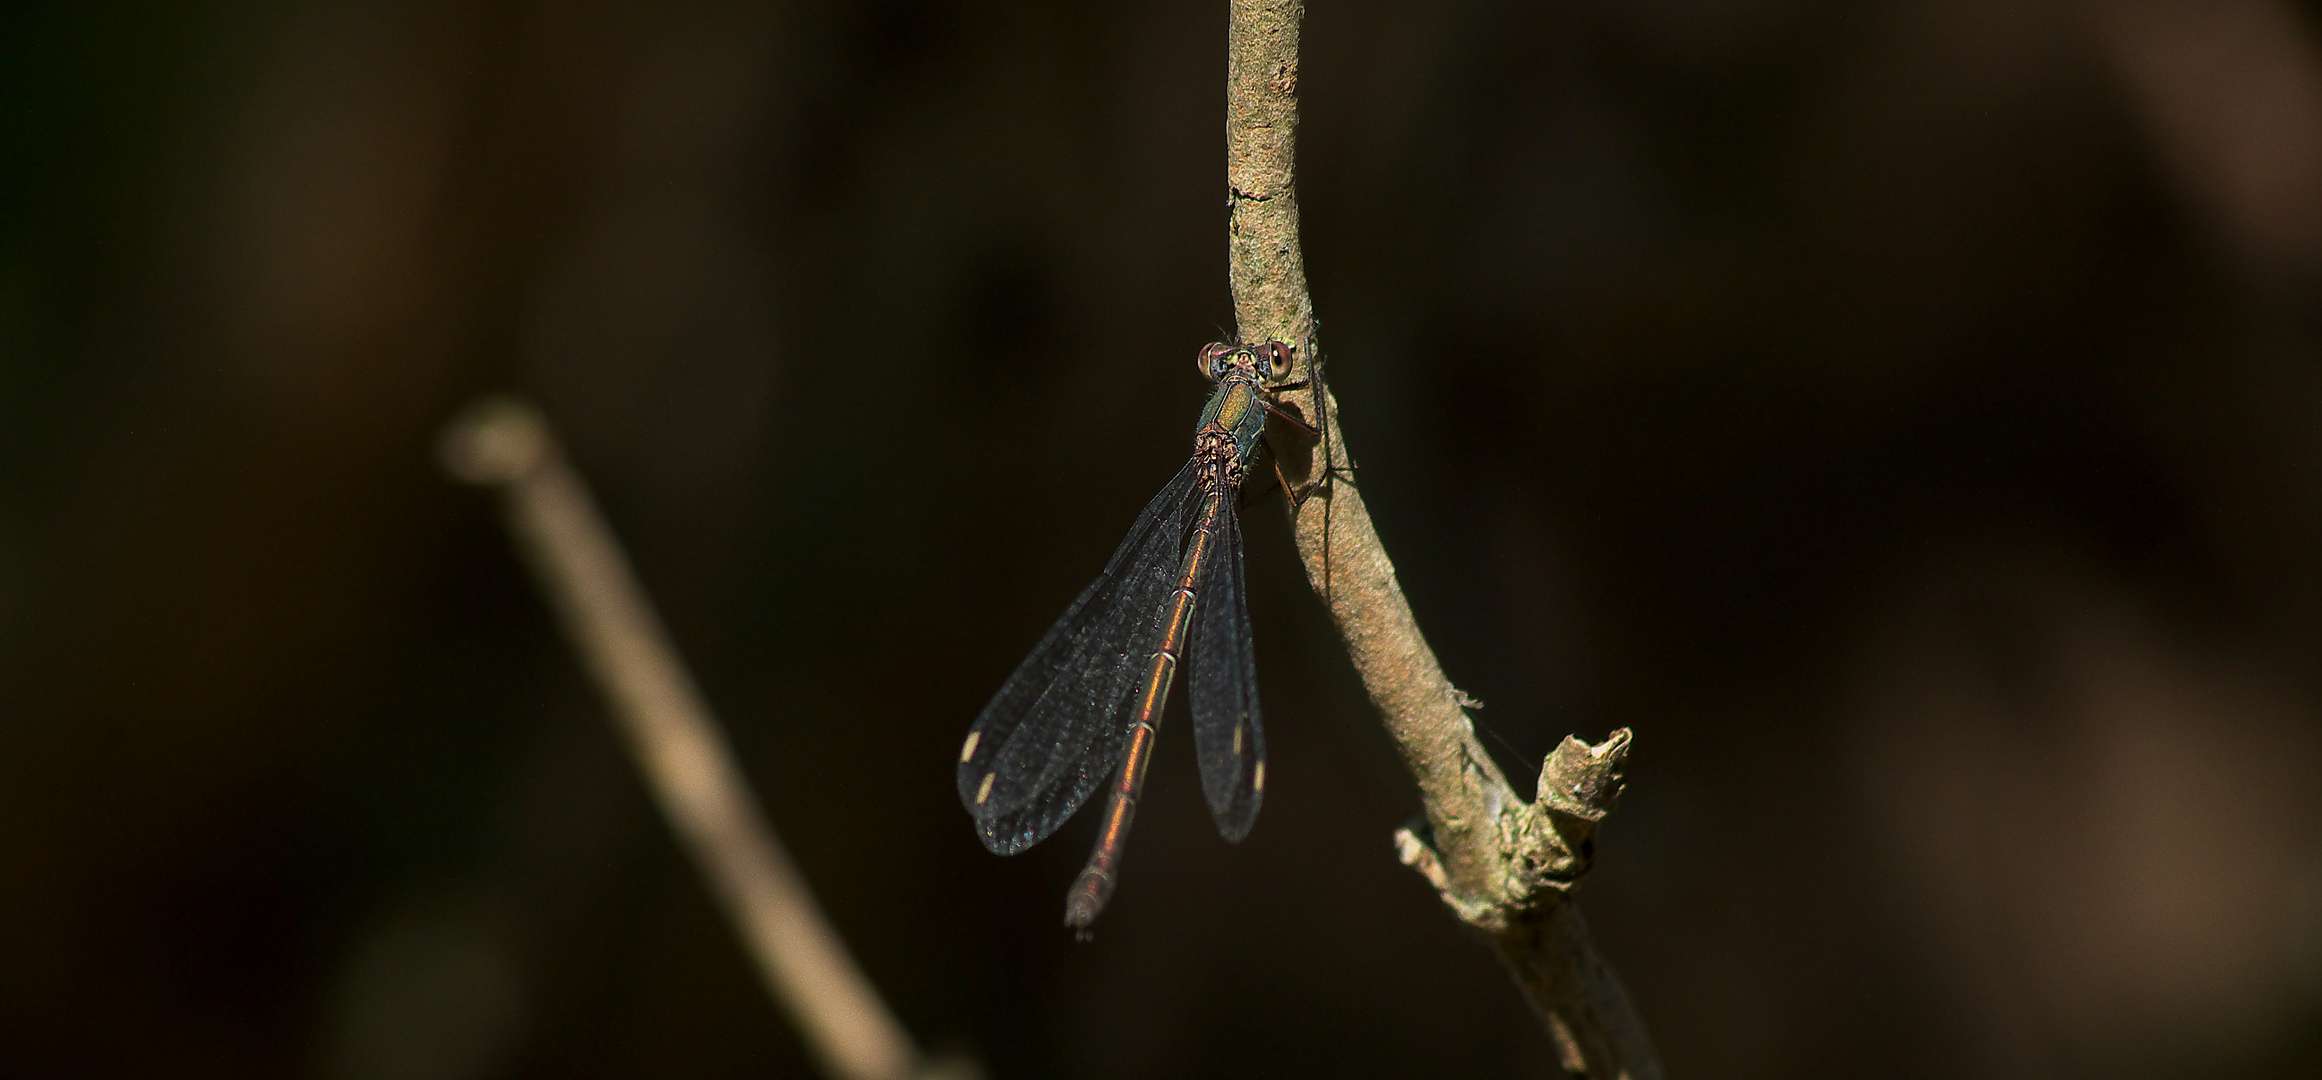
[[678, 745], [1505, 866]]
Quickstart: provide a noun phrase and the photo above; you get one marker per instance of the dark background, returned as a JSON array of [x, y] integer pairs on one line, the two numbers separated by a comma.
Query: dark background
[[1906, 415]]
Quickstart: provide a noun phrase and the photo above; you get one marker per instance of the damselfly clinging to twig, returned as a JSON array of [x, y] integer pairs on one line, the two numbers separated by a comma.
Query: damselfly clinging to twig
[[1086, 704]]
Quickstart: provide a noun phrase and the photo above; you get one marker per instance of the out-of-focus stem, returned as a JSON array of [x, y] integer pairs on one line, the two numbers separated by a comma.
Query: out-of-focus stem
[[678, 745]]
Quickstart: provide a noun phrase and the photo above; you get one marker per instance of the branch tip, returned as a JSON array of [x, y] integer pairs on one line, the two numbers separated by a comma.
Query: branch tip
[[1585, 781], [495, 440], [1419, 855]]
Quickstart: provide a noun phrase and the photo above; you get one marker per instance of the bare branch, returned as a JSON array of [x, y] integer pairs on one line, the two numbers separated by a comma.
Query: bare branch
[[679, 746], [1507, 867]]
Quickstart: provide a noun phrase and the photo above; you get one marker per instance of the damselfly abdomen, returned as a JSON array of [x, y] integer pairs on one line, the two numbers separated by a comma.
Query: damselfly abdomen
[[1085, 706]]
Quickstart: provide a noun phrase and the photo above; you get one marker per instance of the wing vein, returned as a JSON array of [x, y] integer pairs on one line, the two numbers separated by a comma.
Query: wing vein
[[1229, 737], [1056, 729]]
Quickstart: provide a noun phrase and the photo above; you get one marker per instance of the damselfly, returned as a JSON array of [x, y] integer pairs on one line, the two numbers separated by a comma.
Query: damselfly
[[1086, 704]]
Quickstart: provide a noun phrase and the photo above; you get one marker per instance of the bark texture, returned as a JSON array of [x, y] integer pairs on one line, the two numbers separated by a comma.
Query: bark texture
[[1506, 866]]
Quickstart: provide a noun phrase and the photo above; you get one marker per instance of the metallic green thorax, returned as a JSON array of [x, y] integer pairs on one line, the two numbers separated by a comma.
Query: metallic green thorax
[[1227, 437]]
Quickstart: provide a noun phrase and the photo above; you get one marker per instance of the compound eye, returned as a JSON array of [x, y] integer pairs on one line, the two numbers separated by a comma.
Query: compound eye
[[1206, 360], [1277, 360]]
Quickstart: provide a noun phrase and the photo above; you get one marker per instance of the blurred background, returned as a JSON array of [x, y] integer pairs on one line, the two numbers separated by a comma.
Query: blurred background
[[1906, 415]]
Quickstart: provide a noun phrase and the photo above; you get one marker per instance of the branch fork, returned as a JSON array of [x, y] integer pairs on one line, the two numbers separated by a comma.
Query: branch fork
[[1542, 848]]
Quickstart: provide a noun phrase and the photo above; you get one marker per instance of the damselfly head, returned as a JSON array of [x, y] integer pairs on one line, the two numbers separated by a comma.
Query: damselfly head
[[1270, 361]]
